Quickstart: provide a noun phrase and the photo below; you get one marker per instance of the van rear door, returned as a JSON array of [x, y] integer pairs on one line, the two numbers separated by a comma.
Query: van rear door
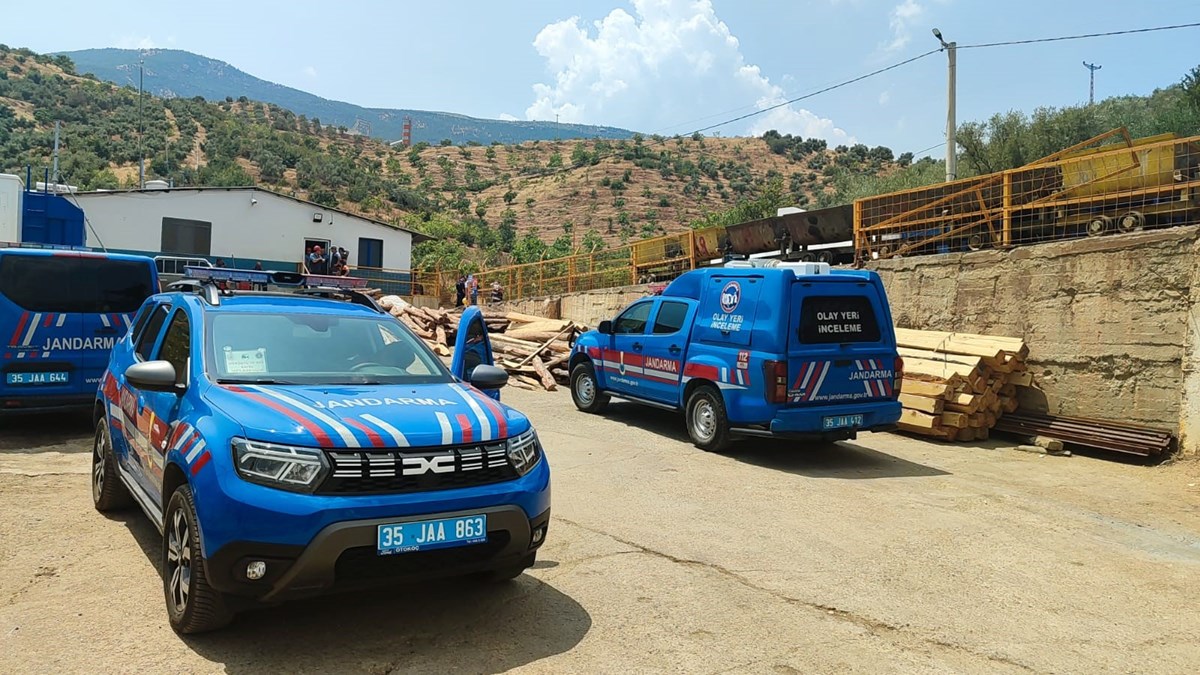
[[62, 312], [839, 349], [34, 318]]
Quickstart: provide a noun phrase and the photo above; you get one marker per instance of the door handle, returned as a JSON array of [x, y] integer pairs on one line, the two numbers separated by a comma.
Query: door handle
[[637, 346], [674, 349]]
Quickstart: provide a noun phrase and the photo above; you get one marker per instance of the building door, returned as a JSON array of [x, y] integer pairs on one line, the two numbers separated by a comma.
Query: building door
[[309, 244]]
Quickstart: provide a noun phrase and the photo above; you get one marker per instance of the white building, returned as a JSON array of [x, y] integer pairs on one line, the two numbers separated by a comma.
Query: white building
[[242, 225]]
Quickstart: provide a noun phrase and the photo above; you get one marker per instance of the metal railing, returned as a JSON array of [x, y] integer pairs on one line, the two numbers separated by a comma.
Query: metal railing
[[1110, 183]]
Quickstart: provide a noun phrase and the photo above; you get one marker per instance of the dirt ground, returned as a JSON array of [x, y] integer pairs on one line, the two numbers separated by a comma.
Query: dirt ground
[[883, 555]]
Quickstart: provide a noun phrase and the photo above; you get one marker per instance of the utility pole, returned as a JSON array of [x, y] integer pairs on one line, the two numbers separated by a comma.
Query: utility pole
[[56, 127], [951, 49], [141, 125], [1092, 68]]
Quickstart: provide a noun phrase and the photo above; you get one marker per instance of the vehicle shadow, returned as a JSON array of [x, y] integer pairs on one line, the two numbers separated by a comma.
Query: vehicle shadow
[[42, 432], [458, 625], [814, 459]]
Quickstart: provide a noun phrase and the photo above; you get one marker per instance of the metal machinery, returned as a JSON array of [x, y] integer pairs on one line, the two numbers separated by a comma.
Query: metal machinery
[[1108, 183]]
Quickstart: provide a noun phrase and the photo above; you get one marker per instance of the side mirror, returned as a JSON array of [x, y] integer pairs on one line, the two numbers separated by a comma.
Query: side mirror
[[487, 377], [605, 327], [152, 376]]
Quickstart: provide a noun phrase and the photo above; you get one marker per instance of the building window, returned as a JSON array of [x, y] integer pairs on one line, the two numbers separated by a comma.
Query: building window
[[189, 237], [370, 252]]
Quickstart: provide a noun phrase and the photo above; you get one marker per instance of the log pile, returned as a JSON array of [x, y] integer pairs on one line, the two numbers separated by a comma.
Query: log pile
[[532, 349], [957, 385]]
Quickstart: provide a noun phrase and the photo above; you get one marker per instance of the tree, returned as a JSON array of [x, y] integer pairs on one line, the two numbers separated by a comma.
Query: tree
[[591, 242], [556, 161], [509, 196], [1191, 87]]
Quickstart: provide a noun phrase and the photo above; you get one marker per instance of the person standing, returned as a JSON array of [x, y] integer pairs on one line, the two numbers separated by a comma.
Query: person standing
[[497, 293], [473, 289], [316, 261], [460, 290]]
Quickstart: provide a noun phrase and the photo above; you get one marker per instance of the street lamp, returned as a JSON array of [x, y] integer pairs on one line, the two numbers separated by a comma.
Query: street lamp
[[951, 148]]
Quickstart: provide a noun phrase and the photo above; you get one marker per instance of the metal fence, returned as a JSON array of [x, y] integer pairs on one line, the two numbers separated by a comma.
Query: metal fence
[[1110, 183]]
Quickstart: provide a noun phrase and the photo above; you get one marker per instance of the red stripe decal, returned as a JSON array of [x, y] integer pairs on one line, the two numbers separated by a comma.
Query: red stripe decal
[[46, 321], [593, 352], [497, 413], [200, 462], [800, 378], [318, 433], [187, 445], [700, 370], [465, 425], [376, 439], [178, 431], [20, 328]]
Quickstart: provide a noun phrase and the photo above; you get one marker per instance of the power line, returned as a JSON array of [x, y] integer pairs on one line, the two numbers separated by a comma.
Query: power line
[[1080, 37], [839, 85]]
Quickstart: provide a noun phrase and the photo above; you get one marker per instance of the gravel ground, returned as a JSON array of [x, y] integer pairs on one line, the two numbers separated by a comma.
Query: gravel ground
[[883, 555]]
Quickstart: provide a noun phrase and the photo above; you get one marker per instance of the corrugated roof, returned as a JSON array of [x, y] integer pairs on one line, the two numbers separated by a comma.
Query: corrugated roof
[[417, 236]]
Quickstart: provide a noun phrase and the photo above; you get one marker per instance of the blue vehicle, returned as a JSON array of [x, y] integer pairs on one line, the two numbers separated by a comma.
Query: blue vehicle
[[294, 443], [755, 348], [61, 312]]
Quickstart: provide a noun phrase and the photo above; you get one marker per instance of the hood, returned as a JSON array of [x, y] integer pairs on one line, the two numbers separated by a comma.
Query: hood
[[383, 416]]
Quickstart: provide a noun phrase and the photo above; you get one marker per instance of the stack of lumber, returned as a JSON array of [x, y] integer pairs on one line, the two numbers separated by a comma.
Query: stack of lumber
[[533, 350], [957, 385]]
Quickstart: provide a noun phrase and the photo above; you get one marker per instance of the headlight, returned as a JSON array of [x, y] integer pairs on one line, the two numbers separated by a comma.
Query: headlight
[[279, 466], [524, 452]]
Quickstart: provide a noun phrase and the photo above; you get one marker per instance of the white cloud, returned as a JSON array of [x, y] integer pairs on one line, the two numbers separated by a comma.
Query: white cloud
[[508, 118], [901, 21], [884, 97], [136, 42], [310, 71], [657, 70]]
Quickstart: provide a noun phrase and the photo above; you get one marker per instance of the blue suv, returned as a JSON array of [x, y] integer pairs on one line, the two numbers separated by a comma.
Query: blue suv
[[288, 444], [754, 348]]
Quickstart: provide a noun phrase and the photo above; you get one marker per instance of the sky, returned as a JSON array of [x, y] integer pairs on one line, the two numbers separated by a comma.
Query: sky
[[661, 66]]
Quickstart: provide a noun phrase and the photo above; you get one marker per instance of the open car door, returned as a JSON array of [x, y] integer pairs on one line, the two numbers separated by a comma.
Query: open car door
[[472, 361]]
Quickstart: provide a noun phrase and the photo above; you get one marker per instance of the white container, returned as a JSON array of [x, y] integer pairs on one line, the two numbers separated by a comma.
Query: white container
[[11, 191]]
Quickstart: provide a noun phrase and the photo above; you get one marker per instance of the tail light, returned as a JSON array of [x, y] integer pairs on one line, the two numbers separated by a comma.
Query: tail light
[[775, 376], [899, 372]]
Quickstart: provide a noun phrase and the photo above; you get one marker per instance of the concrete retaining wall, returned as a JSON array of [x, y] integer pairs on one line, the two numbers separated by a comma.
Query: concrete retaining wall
[[1113, 323]]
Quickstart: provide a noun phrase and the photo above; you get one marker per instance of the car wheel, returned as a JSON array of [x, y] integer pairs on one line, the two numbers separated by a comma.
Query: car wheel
[[502, 574], [193, 606], [108, 492], [585, 392], [707, 423]]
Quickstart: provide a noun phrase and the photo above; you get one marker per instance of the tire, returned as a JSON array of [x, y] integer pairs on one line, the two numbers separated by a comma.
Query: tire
[[502, 574], [707, 422], [585, 391], [108, 492], [193, 606]]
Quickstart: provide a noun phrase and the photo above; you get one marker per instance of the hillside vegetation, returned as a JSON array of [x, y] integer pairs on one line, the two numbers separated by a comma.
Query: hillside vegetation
[[488, 205]]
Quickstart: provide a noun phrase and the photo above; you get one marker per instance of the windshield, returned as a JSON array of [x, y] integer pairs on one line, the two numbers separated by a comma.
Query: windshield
[[317, 349]]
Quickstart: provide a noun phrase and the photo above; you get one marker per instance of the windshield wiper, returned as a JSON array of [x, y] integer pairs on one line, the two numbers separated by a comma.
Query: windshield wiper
[[251, 380]]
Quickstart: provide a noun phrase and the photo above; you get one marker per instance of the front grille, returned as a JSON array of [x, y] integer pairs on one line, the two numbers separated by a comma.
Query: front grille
[[379, 471], [363, 563]]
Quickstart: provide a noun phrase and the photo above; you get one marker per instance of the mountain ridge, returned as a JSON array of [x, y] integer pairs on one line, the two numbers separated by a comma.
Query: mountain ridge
[[176, 73]]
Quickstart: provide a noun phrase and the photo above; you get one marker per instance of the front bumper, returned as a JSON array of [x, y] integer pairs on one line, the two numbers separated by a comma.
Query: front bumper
[[343, 556]]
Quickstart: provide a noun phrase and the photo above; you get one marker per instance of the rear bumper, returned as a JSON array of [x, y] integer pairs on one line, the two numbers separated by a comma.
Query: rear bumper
[[809, 421], [343, 556], [16, 405]]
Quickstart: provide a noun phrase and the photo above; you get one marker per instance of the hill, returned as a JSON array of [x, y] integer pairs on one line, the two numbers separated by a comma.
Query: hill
[[172, 73], [489, 203]]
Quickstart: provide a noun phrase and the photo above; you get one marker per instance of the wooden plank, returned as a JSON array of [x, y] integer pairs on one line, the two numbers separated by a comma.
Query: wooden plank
[[953, 419], [918, 419], [1021, 379], [909, 352], [943, 342], [940, 369], [547, 344], [927, 389], [922, 404]]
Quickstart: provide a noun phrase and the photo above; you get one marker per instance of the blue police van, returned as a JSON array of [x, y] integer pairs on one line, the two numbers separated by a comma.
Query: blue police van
[[302, 440], [61, 312], [754, 348]]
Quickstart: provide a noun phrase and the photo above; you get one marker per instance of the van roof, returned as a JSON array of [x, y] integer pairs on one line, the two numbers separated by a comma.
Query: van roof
[[67, 253], [689, 284]]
